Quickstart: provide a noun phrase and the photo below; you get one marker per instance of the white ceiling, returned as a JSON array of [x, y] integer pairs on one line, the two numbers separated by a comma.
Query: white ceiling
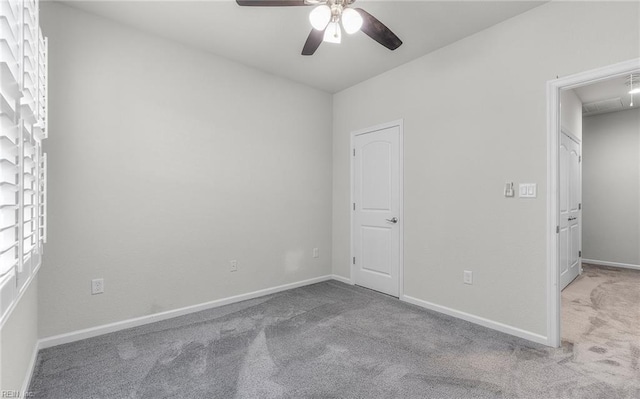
[[615, 88], [271, 38]]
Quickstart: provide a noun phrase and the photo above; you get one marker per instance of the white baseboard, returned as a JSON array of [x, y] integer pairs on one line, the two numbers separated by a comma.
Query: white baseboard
[[612, 264], [342, 279], [494, 325], [139, 321], [30, 370]]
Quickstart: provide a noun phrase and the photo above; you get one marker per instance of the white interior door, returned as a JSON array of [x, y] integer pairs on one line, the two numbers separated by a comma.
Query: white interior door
[[377, 223], [570, 207]]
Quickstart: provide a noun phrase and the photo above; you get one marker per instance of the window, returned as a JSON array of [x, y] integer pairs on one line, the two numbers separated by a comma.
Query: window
[[23, 126]]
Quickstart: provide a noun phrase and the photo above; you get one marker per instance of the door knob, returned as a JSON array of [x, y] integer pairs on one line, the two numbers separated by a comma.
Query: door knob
[[392, 220]]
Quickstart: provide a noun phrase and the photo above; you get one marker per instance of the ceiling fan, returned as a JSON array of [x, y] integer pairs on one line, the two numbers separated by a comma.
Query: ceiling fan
[[326, 17]]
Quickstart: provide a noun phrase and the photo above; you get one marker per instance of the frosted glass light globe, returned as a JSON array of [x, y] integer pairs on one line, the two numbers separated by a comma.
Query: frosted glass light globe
[[351, 20], [320, 17]]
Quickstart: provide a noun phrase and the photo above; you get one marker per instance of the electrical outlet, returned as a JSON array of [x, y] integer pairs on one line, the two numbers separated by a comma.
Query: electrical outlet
[[233, 266], [468, 277], [97, 286], [316, 253]]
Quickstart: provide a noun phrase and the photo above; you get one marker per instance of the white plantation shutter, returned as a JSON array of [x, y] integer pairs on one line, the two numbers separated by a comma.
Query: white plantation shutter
[[10, 53], [42, 201], [23, 126]]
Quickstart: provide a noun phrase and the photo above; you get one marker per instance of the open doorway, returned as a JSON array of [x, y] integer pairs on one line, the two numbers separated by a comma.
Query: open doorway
[[560, 247], [600, 225], [594, 215]]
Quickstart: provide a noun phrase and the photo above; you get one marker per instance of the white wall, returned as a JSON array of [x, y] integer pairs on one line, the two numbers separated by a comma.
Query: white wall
[[611, 187], [571, 113], [164, 164], [474, 118], [18, 339]]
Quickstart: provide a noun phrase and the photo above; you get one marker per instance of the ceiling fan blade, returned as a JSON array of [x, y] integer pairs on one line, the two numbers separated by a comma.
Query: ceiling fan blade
[[313, 42], [271, 3], [378, 31]]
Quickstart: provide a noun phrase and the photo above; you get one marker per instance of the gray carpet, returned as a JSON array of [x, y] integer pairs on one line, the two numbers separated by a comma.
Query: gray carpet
[[328, 340]]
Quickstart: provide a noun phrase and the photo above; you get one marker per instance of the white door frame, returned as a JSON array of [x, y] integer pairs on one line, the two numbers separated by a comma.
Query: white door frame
[[400, 124], [553, 200]]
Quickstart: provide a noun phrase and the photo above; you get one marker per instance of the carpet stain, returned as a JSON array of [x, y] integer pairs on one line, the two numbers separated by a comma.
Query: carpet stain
[[567, 346], [598, 349], [611, 362], [635, 357]]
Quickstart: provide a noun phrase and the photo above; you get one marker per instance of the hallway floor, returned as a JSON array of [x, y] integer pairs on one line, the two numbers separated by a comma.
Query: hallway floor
[[601, 322]]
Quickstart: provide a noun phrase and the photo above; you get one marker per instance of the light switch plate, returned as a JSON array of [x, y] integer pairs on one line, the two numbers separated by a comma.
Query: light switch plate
[[523, 190], [467, 277], [528, 190]]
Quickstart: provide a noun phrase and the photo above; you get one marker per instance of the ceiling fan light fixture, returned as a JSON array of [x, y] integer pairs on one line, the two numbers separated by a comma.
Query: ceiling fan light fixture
[[351, 20], [329, 17], [320, 17], [333, 33]]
